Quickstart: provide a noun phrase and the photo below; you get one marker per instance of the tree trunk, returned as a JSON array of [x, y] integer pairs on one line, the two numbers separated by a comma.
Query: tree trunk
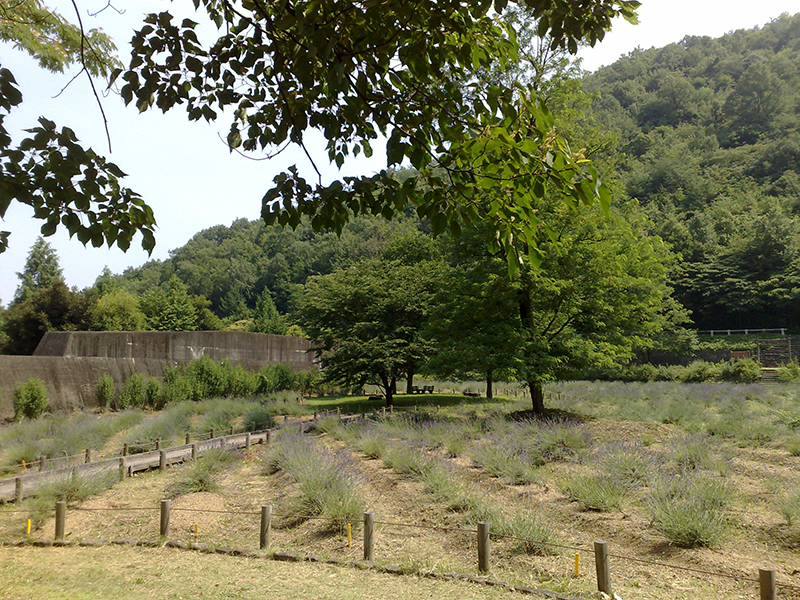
[[388, 389], [537, 397], [489, 381], [410, 380]]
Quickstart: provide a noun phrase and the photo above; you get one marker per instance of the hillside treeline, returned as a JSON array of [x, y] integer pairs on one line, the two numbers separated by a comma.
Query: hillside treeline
[[700, 141], [707, 139]]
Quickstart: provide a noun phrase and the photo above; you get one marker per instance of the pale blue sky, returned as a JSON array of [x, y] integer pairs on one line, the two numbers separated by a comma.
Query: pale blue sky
[[184, 170]]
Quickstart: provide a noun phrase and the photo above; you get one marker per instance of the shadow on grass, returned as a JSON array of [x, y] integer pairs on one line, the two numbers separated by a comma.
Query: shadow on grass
[[404, 402], [552, 414]]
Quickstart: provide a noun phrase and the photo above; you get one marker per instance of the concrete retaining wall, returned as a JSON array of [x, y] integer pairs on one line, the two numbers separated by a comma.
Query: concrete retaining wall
[[70, 381], [237, 347], [72, 362]]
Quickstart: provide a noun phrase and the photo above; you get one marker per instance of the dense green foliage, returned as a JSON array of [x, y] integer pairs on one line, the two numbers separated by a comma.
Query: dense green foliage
[[362, 73], [30, 399], [64, 183], [707, 132]]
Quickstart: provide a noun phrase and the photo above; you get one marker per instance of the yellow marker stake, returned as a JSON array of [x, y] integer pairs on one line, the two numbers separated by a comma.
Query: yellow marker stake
[[195, 530], [29, 527], [577, 564], [24, 466], [349, 536]]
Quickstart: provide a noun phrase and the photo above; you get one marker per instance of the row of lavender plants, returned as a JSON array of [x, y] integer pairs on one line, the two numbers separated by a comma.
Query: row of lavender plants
[[681, 486]]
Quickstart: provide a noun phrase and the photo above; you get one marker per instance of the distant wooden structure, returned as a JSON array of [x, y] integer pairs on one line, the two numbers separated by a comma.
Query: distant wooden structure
[[776, 352]]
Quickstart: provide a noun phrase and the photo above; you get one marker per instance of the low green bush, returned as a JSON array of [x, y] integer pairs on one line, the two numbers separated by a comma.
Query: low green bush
[[30, 399], [744, 370], [202, 475], [105, 391], [531, 533], [789, 372], [276, 378], [700, 371], [691, 511], [132, 393], [596, 491]]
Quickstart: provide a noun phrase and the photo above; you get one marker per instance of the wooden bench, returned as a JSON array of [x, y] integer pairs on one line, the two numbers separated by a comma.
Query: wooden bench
[[425, 389]]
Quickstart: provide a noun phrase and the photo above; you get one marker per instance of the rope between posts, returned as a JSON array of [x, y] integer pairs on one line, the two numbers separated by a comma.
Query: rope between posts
[[680, 568], [430, 527], [519, 539]]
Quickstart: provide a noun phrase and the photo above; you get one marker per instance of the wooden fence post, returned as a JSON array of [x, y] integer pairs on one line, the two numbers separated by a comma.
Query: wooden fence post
[[42, 462], [158, 444], [162, 460], [165, 507], [266, 525], [213, 434], [125, 449], [603, 570], [123, 468], [194, 451], [247, 441], [766, 579], [88, 457], [18, 491], [231, 429], [369, 536], [269, 436], [61, 519], [483, 547], [188, 438]]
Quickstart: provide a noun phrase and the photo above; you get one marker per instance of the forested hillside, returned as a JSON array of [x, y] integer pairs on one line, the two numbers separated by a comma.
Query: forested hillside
[[707, 141], [698, 141]]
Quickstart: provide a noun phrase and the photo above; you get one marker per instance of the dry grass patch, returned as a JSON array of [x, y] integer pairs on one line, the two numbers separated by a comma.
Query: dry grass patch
[[116, 573]]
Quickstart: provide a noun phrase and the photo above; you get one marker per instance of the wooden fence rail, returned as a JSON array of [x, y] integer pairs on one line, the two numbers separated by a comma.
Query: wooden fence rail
[[23, 486]]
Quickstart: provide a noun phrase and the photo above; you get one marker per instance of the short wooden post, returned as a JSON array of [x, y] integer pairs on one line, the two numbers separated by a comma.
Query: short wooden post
[[18, 491], [61, 519], [188, 438], [247, 441], [125, 449], [165, 507], [269, 435], [158, 444], [369, 536], [231, 429], [483, 547], [88, 457], [603, 570], [123, 468], [162, 460], [266, 525], [766, 579], [42, 462], [194, 451], [213, 433]]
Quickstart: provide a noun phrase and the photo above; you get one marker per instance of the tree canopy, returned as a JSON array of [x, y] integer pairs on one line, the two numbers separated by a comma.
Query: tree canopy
[[363, 72], [64, 183]]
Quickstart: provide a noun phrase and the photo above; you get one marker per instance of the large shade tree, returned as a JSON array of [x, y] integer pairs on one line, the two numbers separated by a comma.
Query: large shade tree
[[369, 318], [602, 290]]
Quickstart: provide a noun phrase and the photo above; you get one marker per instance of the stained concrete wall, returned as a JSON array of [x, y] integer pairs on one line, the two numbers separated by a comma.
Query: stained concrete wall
[[237, 347], [70, 381], [72, 362]]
